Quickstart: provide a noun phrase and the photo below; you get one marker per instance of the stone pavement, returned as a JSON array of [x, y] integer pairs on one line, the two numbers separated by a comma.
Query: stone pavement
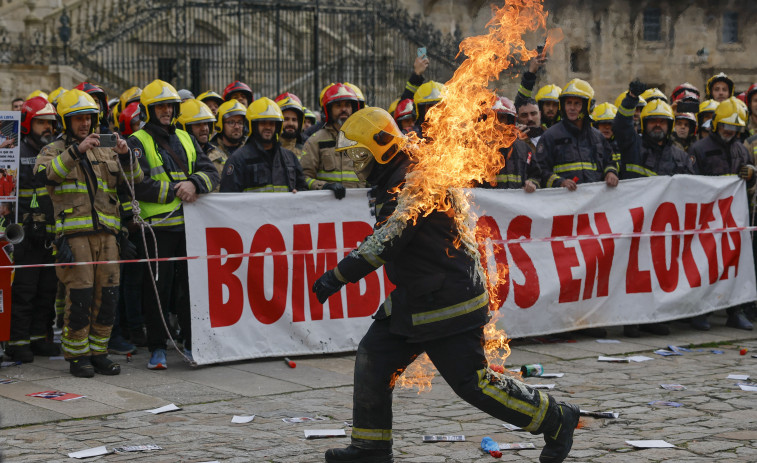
[[716, 422]]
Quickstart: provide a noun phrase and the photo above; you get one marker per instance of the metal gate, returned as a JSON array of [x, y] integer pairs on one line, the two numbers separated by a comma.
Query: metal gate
[[296, 46]]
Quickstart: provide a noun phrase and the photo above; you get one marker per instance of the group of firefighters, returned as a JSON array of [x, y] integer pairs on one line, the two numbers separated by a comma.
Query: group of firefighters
[[104, 180]]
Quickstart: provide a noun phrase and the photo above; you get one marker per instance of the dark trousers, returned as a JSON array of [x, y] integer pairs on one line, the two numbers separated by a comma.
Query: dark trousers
[[33, 295], [130, 302], [173, 289], [461, 362]]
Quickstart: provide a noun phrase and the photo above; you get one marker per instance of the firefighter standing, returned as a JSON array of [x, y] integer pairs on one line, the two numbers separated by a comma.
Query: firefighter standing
[[438, 307], [81, 179], [325, 168], [33, 310], [294, 118], [262, 164], [179, 172], [197, 119], [519, 171], [231, 128]]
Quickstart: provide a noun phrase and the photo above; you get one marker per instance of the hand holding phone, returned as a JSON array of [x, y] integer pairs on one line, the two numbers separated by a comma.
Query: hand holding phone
[[108, 140], [421, 52]]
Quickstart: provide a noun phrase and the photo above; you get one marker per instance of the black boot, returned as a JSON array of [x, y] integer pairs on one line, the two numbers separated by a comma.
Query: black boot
[[559, 439], [659, 329], [737, 319], [354, 454], [105, 366], [631, 331], [700, 322], [21, 354], [45, 349], [81, 367]]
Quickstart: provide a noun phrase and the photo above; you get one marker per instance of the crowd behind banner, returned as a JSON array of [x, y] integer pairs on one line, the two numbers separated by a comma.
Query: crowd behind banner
[[95, 171]]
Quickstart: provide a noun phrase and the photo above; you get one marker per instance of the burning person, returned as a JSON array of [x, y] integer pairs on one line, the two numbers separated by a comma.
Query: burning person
[[440, 305]]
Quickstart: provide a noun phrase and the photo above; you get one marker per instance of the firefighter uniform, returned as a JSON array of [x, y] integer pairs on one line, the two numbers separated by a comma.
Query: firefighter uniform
[[519, 167], [293, 145], [82, 187], [322, 164], [254, 169], [439, 307], [217, 156], [33, 310], [641, 157]]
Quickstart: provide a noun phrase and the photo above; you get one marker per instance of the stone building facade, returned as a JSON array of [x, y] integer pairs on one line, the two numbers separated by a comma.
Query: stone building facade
[[606, 42]]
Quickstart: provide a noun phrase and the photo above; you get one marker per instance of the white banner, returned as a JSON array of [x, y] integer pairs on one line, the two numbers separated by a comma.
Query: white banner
[[653, 263]]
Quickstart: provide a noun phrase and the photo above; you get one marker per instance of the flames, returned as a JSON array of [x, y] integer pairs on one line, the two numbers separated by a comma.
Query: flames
[[460, 149]]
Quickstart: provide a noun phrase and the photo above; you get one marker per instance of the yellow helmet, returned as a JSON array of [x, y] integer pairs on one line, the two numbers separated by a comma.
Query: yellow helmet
[[549, 92], [708, 106], [38, 93], [211, 95], [428, 93], [265, 109], [652, 94], [370, 134], [359, 93], [393, 106], [642, 102], [227, 109], [577, 88], [657, 109], [194, 112], [129, 96], [53, 96], [604, 112], [159, 92], [75, 102], [722, 77], [730, 113]]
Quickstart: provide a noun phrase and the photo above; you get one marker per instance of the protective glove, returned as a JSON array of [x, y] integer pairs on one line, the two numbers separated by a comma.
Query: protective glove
[[337, 188], [326, 285], [637, 87], [128, 249], [746, 172], [63, 253]]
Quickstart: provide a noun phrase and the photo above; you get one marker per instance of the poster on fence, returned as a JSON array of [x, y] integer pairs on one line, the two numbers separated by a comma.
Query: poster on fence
[[652, 249]]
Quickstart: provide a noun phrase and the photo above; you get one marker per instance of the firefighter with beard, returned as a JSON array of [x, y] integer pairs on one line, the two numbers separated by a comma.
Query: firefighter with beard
[[180, 171], [325, 168], [262, 165], [529, 121], [548, 100], [722, 153], [438, 307], [519, 171], [231, 127], [33, 311], [294, 119], [196, 118], [572, 151], [82, 181]]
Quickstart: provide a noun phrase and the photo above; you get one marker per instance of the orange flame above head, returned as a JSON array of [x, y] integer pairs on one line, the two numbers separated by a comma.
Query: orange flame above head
[[461, 149]]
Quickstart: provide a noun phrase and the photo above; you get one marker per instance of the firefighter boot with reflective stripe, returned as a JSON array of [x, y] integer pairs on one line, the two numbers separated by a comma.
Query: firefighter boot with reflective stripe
[[354, 454], [105, 366], [559, 439]]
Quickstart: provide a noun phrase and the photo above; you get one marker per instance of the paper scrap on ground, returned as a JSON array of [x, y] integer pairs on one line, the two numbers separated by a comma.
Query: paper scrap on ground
[[602, 358], [552, 375], [516, 446], [719, 352], [512, 427], [137, 448], [664, 403], [8, 364], [738, 377], [650, 444], [747, 387], [89, 452], [58, 357], [639, 358], [666, 353], [320, 433], [613, 415], [542, 386], [608, 341], [163, 409], [7, 381], [678, 349], [303, 419], [436, 438], [673, 387], [242, 419], [56, 395]]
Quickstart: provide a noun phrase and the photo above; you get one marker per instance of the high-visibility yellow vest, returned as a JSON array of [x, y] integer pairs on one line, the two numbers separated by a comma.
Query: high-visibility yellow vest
[[158, 173]]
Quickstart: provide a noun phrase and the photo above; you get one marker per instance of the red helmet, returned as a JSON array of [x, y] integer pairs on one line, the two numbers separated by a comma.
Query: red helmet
[[126, 117], [37, 107], [405, 110], [503, 105], [750, 92], [337, 92], [97, 94], [684, 88], [290, 101], [742, 96], [235, 87]]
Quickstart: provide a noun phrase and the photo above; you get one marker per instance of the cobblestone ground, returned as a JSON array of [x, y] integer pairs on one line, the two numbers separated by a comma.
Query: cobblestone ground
[[717, 421]]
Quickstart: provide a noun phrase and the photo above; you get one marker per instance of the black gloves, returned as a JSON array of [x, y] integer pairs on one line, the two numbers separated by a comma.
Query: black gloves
[[327, 284], [63, 253], [128, 249], [637, 87], [337, 188]]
